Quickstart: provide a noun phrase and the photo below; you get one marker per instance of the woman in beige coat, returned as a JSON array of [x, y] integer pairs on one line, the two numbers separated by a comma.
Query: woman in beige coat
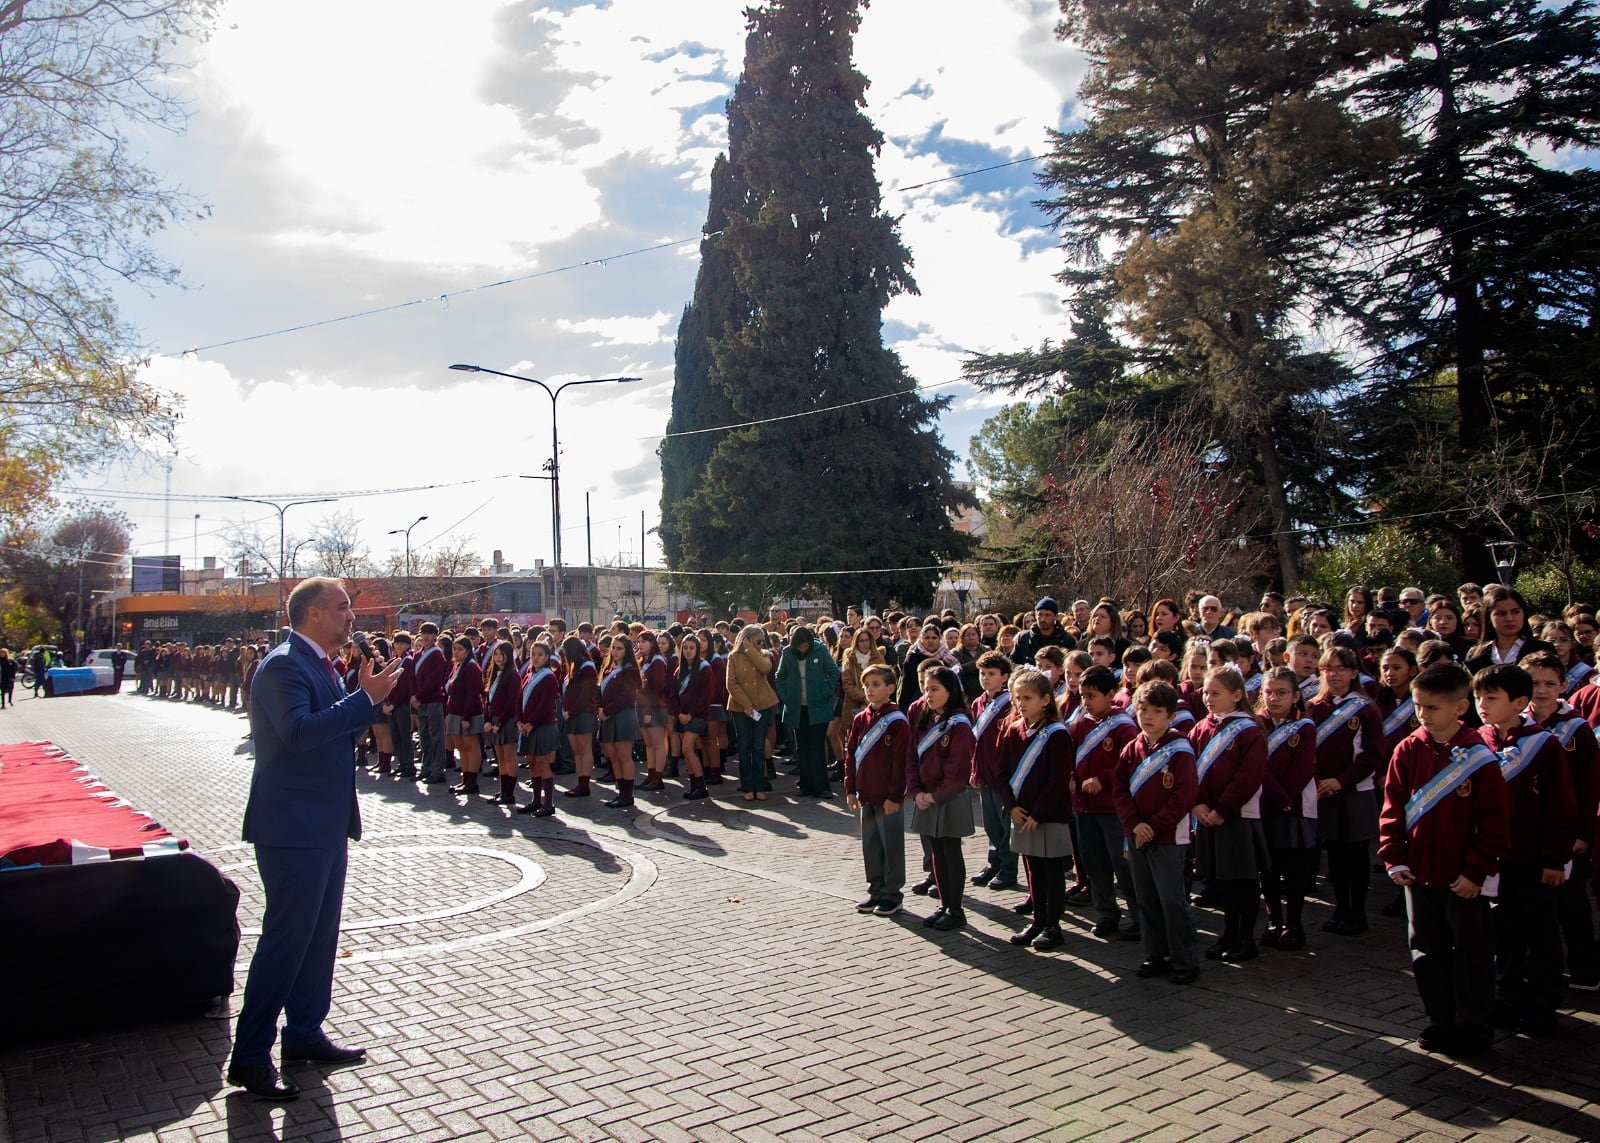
[[753, 705]]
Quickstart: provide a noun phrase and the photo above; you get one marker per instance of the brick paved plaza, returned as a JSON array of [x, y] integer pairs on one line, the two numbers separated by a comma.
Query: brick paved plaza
[[697, 971]]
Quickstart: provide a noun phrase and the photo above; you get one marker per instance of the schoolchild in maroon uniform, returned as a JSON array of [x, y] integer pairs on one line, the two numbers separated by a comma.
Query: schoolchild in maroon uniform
[[398, 708], [717, 745], [1037, 749], [1154, 788], [1578, 743], [538, 694], [877, 756], [619, 716], [500, 718], [938, 781], [1304, 654], [1065, 670], [655, 692], [1230, 843], [1133, 661], [690, 710], [1445, 827], [1350, 747], [463, 716], [1191, 692], [580, 709], [1544, 813], [1288, 809], [1098, 738], [667, 647], [1576, 668], [430, 669], [992, 712], [1395, 705]]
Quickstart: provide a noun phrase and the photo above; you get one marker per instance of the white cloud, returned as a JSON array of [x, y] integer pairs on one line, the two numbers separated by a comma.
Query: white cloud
[[652, 330]]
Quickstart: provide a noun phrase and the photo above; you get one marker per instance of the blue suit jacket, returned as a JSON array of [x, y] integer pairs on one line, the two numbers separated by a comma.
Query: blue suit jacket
[[303, 791]]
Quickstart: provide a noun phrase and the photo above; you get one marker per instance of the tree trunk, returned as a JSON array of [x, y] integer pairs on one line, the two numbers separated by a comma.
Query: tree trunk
[[1278, 500]]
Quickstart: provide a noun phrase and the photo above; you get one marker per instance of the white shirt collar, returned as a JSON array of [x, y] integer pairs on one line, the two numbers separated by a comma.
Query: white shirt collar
[[321, 654]]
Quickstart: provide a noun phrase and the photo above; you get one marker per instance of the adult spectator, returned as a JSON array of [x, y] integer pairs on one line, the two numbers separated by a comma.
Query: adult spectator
[[1211, 624], [1469, 595], [300, 816], [1045, 632], [38, 664], [1415, 607], [806, 681], [989, 630]]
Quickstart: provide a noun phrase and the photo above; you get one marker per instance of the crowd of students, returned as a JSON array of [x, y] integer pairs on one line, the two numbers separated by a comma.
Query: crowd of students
[[1131, 762]]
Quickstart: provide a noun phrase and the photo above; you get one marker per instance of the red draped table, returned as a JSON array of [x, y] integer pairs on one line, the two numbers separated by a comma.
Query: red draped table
[[106, 916]]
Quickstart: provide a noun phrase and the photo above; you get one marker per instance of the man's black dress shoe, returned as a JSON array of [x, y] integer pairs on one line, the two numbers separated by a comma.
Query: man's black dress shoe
[[324, 1052], [263, 1082]]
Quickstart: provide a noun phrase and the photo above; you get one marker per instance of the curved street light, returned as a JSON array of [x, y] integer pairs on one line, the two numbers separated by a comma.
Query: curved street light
[[555, 453]]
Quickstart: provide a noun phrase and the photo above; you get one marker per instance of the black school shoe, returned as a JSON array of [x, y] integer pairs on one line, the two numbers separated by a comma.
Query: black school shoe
[[983, 876], [921, 887], [1023, 908], [1152, 967], [1437, 1038]]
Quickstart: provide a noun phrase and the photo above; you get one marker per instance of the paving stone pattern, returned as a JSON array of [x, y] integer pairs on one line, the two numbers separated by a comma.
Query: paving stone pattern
[[696, 971]]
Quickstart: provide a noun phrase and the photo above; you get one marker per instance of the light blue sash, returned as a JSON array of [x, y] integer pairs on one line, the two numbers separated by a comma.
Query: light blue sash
[[1098, 735], [1578, 672], [875, 734], [1514, 758], [991, 711], [1072, 719], [1465, 761], [940, 730], [683, 683], [1309, 687], [1354, 705], [1157, 762], [1183, 717], [1230, 730], [1031, 756], [1252, 685], [1288, 730], [611, 676], [532, 683], [1565, 732], [1399, 716]]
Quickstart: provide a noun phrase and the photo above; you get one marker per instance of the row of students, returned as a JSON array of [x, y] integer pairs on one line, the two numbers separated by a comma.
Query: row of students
[[1263, 797]]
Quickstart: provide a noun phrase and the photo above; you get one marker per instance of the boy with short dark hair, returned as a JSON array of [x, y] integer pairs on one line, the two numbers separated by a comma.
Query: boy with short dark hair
[[991, 711], [1543, 828], [877, 750], [1578, 743], [1153, 788], [1445, 826], [1098, 738]]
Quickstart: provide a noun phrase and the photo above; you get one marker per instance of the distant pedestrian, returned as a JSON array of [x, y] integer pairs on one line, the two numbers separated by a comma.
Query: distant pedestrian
[[8, 678]]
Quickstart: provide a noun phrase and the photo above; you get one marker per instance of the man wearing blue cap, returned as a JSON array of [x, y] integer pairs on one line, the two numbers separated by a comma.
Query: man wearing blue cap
[[1045, 632]]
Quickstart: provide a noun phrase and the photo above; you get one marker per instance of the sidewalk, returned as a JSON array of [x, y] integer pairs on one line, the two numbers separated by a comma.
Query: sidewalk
[[697, 972]]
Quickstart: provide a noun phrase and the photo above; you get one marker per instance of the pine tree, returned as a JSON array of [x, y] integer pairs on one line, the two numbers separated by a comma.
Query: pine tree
[[1482, 298], [1201, 204], [796, 328]]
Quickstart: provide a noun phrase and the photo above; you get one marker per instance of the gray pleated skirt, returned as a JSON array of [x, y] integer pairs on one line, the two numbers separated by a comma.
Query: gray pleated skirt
[[1290, 831], [1236, 850], [1047, 839], [1350, 815], [944, 819]]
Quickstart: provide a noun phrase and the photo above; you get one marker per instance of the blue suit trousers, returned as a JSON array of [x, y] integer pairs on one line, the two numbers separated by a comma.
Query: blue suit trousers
[[291, 972]]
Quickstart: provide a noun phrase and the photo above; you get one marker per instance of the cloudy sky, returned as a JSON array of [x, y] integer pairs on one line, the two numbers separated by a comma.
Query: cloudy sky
[[365, 154]]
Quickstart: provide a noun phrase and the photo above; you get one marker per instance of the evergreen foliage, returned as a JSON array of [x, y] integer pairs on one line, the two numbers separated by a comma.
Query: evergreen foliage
[[786, 319]]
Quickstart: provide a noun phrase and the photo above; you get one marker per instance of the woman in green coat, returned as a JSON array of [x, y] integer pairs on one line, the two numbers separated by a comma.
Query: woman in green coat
[[806, 682]]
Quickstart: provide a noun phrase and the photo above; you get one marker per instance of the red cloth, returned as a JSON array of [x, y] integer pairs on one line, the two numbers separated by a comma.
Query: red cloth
[[54, 812]]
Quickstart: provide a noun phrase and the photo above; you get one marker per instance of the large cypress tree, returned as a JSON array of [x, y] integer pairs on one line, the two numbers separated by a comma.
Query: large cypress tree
[[786, 320]]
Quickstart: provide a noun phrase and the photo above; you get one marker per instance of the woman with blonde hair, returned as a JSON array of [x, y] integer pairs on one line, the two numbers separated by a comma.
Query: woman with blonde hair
[[753, 704]]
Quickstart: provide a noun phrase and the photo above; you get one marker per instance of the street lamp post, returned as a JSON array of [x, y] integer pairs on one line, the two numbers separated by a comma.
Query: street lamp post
[[281, 507], [555, 452], [406, 531]]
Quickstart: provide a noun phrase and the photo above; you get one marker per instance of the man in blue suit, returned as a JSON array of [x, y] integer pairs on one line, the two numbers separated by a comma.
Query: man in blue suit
[[301, 814]]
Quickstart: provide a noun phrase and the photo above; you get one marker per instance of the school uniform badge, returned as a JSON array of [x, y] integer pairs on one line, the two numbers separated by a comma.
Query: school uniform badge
[[1167, 779], [1465, 789]]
